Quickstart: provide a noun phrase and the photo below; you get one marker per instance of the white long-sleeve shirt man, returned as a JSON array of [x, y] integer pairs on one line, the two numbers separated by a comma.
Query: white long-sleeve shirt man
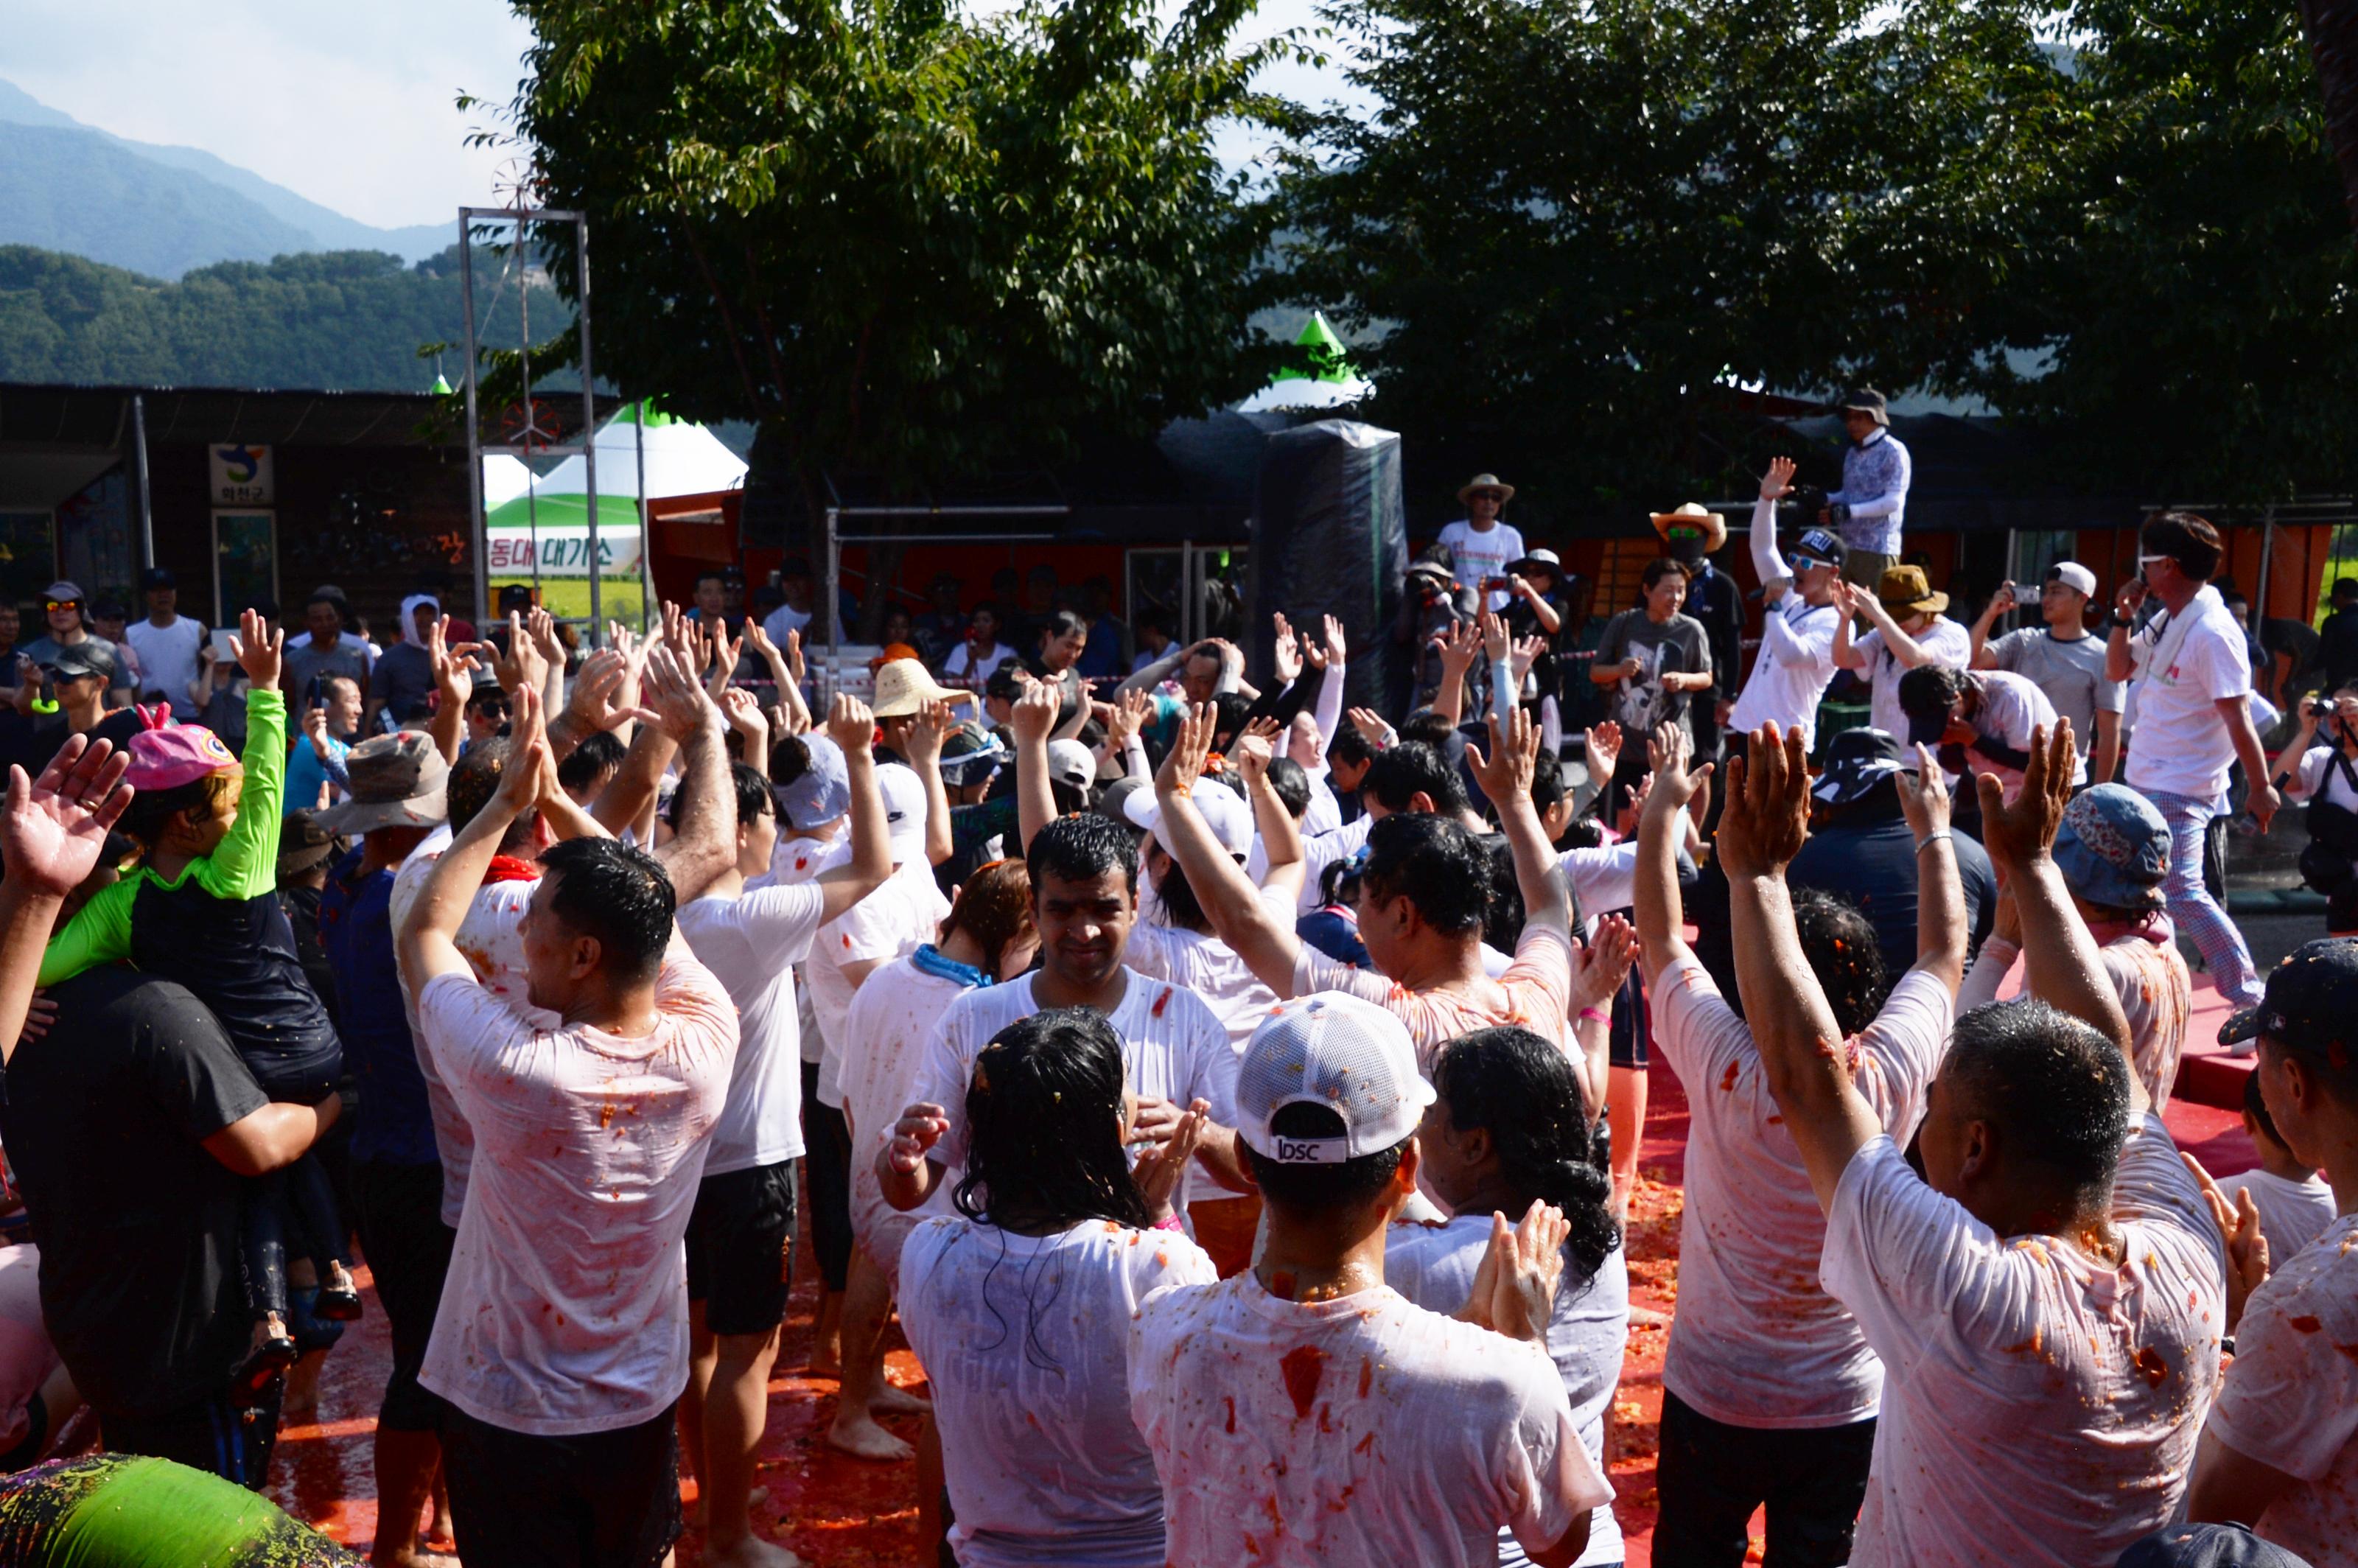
[[1796, 662]]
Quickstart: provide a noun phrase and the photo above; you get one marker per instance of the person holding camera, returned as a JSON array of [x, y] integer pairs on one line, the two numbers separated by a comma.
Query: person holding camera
[[2321, 766], [1871, 507], [1480, 546]]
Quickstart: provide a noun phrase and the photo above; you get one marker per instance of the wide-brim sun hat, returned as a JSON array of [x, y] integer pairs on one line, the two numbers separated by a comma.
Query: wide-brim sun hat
[[1487, 482], [1694, 515], [1905, 587]]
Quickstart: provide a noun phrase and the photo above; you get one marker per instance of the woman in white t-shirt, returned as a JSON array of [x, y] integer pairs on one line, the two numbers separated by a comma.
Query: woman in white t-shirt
[[1015, 1307], [971, 662], [1506, 1129]]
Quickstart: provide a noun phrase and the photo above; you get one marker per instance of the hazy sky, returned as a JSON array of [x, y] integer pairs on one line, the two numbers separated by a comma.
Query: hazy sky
[[348, 103]]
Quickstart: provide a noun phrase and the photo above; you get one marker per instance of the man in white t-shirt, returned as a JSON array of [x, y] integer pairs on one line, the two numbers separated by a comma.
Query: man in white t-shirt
[[1909, 630], [741, 1233], [1304, 1412], [1480, 546], [1796, 662], [2190, 722], [167, 643], [2047, 1297], [1084, 900], [562, 1340], [1770, 1391], [2280, 1452]]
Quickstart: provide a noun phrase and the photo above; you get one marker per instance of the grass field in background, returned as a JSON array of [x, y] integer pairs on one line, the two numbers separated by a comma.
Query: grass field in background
[[568, 598]]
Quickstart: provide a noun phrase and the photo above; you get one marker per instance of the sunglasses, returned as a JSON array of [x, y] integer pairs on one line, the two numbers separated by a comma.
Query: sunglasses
[[54, 605], [1803, 562], [2145, 561], [1497, 496]]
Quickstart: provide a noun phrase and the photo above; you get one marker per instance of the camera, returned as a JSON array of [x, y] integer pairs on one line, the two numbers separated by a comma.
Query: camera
[[1494, 585]]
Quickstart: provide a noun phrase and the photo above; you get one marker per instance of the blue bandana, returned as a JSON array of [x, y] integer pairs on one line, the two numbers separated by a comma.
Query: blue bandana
[[930, 960]]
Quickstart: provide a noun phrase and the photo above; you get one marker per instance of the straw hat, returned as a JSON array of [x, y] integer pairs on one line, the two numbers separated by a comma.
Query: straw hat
[[1487, 482], [903, 686], [1691, 514]]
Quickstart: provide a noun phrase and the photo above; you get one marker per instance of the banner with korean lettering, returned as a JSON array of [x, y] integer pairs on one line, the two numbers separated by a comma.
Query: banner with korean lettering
[[561, 550]]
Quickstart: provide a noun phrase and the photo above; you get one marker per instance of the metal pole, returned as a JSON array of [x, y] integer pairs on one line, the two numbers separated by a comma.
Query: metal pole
[[825, 608], [139, 469], [474, 442], [2260, 599], [474, 438], [590, 425], [531, 414], [646, 528]]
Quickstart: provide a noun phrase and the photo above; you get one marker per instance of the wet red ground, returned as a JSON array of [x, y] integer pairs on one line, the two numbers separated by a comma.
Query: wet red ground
[[840, 1512]]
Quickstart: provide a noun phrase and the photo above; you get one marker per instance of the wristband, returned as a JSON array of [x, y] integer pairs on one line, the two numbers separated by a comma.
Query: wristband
[[1597, 1015], [1169, 1222], [1935, 836]]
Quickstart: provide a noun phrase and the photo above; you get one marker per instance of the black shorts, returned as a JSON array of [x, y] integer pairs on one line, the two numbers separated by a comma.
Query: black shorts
[[602, 1499], [1632, 1025], [399, 1211], [741, 1248]]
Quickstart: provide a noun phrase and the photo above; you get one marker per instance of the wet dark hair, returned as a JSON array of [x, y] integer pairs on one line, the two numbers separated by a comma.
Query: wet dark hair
[[150, 812], [598, 755], [1931, 689], [1839, 942], [1291, 782], [1349, 746], [1080, 849], [474, 778], [789, 760], [1311, 1189], [2257, 1106], [1427, 725], [1437, 864], [618, 894], [2186, 538], [1502, 922], [1400, 773], [1002, 683], [1060, 624], [1043, 1139], [1520, 1090], [753, 791], [2055, 1088], [1177, 894], [1229, 711]]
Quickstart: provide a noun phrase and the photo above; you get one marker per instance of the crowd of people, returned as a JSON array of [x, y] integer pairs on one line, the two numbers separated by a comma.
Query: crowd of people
[[1233, 1088]]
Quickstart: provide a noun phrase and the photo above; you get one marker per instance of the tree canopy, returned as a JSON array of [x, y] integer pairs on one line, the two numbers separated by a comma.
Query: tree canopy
[[900, 236]]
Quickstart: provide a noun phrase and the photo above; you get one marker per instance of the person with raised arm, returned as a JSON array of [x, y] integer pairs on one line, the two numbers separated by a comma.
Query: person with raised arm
[[1907, 630], [2047, 1297], [1798, 590], [1770, 1392]]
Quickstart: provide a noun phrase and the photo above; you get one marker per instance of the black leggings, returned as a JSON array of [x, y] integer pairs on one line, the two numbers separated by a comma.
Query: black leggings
[[294, 1207], [827, 1176]]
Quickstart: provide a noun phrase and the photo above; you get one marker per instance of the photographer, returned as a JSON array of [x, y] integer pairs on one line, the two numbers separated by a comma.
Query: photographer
[[2323, 772], [1432, 607]]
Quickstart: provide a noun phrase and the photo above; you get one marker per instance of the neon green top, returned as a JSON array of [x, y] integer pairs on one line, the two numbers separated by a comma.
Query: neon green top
[[109, 1510], [245, 865]]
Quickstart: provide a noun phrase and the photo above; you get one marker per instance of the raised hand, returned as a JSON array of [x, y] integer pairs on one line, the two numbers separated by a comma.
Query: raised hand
[[1924, 799], [1127, 718], [542, 625], [2021, 834], [1505, 774], [1495, 642], [259, 650], [743, 711], [1036, 712], [726, 651], [1778, 483], [1527, 653], [1286, 657], [528, 754], [675, 701], [53, 827], [922, 742], [1602, 749], [2239, 1230], [922, 1125], [1668, 750], [596, 702], [1372, 724], [452, 666], [1251, 754], [1514, 1289], [794, 652], [1602, 963], [1161, 1164], [850, 725], [523, 664], [1766, 817], [1182, 764], [1338, 646], [1458, 645]]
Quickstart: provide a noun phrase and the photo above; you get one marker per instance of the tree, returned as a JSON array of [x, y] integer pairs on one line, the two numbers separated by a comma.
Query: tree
[[2332, 29], [2188, 281], [900, 236], [1568, 220]]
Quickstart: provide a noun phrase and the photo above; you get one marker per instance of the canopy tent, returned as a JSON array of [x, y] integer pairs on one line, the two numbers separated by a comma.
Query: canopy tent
[[1331, 382], [546, 522]]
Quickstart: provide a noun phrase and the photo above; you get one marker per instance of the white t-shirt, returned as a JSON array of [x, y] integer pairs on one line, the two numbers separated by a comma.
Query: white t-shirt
[[2039, 1406], [1538, 987], [2317, 771], [1947, 643], [1362, 1430], [1319, 851], [963, 669], [1435, 1265], [168, 659], [750, 944], [565, 1307], [885, 1037], [902, 916], [2012, 710], [2148, 975], [1603, 879], [1477, 555], [490, 939], [1757, 1342], [2182, 745], [1174, 1045], [1795, 665], [1206, 965], [2291, 1398], [1022, 1337], [2292, 1214], [785, 617]]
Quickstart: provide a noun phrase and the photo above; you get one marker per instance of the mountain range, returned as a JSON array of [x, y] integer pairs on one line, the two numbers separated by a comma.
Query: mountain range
[[162, 210]]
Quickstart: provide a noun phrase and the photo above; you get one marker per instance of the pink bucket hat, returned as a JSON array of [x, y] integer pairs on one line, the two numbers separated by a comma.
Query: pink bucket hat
[[163, 759]]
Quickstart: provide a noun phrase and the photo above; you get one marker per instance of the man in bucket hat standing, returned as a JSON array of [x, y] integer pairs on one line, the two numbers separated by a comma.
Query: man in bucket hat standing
[[1871, 507], [1909, 630], [1480, 546], [397, 783]]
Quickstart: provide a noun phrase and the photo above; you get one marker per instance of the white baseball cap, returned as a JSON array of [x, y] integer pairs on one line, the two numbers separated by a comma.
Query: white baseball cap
[[1335, 1050], [1223, 809], [905, 808], [1070, 762], [2071, 574]]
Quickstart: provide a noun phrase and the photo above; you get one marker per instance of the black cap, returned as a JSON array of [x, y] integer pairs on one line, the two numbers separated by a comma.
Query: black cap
[[1856, 760], [515, 595], [1820, 544], [2206, 1546], [2312, 1003], [157, 577], [71, 660]]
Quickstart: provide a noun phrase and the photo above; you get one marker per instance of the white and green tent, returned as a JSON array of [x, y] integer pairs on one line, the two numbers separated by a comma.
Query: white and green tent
[[547, 520], [1332, 382]]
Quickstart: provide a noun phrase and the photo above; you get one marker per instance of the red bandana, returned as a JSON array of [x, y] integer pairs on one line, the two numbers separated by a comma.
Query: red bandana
[[508, 869]]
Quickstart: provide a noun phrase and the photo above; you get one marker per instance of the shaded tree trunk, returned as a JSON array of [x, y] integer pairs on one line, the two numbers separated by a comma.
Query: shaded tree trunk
[[2332, 29]]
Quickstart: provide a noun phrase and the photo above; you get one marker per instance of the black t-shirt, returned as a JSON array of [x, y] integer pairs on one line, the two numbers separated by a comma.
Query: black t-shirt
[[141, 1283], [39, 742]]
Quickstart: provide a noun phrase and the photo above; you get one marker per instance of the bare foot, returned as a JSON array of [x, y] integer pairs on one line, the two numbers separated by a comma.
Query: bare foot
[[752, 1552], [422, 1556], [856, 1434], [890, 1399]]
